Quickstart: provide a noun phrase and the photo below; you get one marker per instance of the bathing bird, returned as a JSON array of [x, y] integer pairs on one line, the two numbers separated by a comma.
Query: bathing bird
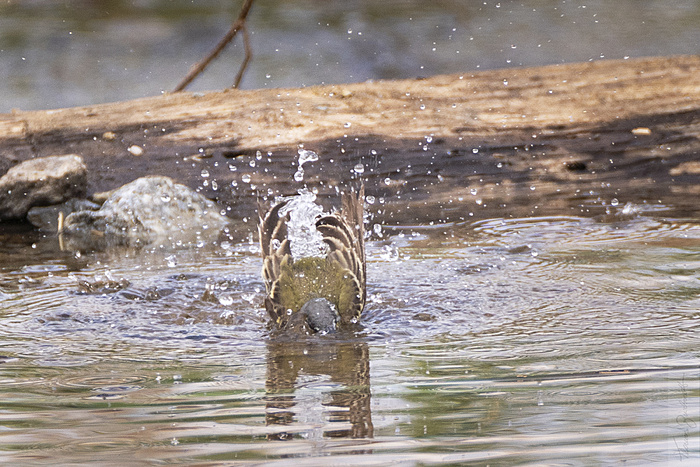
[[320, 292]]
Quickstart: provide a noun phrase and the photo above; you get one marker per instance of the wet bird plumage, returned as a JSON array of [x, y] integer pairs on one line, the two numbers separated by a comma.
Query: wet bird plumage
[[339, 277]]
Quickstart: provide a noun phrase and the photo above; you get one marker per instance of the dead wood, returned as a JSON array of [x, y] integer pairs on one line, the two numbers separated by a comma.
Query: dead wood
[[530, 141]]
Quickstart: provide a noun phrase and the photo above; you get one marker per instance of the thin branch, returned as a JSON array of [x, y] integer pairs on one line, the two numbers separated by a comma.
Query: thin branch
[[246, 59], [235, 27]]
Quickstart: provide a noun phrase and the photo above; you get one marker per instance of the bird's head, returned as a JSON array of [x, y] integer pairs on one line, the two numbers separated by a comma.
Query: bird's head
[[321, 315]]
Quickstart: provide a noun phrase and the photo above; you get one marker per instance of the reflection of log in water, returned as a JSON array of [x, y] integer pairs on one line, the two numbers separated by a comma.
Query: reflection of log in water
[[346, 363]]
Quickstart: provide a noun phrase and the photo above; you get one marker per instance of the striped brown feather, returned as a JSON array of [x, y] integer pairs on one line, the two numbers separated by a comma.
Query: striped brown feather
[[342, 231]]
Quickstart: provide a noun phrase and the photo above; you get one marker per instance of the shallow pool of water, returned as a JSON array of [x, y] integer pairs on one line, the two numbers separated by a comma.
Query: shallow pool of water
[[522, 341]]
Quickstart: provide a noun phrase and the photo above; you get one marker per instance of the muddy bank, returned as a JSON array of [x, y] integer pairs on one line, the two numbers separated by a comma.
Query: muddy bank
[[566, 139]]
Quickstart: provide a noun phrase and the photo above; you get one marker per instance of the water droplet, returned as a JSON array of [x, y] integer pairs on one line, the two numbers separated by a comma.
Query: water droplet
[[390, 253], [214, 185], [226, 300], [387, 181], [165, 197], [422, 107], [232, 168], [359, 168], [377, 228], [475, 150], [614, 202], [370, 199], [246, 178], [347, 124], [204, 173], [473, 191], [299, 175], [306, 156]]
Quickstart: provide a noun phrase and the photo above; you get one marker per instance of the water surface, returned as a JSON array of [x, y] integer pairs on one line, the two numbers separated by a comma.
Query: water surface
[[500, 342], [84, 52]]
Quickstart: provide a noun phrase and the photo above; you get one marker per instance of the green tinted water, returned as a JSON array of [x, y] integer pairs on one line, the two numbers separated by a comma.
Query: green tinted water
[[500, 342]]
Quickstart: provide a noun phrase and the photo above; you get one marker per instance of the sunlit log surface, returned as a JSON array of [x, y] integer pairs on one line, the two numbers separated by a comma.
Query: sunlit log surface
[[564, 139]]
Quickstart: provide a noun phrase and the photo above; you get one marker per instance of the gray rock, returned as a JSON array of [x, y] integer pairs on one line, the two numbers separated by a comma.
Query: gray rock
[[41, 182], [45, 218], [148, 210]]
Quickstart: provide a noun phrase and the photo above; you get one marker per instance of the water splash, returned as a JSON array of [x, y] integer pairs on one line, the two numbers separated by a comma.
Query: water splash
[[304, 238], [304, 156]]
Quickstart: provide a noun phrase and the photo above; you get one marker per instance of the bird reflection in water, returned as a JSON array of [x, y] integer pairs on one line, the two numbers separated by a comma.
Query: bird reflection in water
[[347, 405]]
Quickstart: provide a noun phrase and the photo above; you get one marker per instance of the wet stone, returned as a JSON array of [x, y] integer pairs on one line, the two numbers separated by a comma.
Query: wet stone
[[101, 287], [145, 211], [42, 181], [45, 218]]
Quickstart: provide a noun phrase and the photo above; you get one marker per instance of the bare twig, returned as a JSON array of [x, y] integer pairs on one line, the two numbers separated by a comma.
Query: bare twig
[[237, 25], [246, 59]]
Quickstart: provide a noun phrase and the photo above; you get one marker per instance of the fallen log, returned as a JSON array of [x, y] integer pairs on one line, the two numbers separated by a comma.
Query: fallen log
[[564, 139]]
